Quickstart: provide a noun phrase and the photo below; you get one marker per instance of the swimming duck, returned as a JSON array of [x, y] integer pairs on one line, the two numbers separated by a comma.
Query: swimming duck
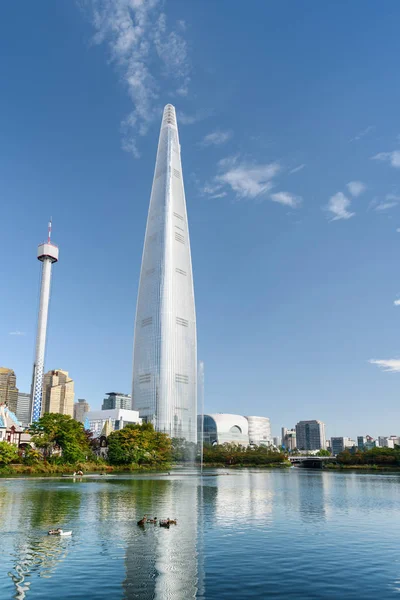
[[152, 520], [142, 521]]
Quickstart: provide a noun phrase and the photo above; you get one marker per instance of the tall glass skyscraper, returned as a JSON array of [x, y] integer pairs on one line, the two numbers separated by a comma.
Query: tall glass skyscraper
[[165, 347]]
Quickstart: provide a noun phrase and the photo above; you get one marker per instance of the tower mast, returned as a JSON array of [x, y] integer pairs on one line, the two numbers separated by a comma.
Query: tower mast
[[47, 254]]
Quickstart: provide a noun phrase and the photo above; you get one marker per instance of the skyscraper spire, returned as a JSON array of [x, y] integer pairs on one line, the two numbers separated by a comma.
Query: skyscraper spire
[[165, 347], [47, 254]]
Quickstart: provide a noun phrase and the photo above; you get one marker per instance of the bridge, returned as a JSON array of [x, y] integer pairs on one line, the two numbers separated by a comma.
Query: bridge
[[311, 462]]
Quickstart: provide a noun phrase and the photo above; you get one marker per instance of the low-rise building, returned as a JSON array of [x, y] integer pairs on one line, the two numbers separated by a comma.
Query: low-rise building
[[10, 427], [111, 420], [222, 428]]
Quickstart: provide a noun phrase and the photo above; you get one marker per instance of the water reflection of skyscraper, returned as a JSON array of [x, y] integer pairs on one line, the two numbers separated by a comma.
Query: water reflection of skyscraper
[[36, 555], [312, 502], [166, 563]]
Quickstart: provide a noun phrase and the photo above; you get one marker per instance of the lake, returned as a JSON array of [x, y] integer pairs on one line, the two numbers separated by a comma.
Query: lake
[[247, 534]]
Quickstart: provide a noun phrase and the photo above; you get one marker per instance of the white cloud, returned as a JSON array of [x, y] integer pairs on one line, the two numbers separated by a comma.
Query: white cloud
[[286, 198], [397, 302], [391, 365], [16, 333], [398, 230], [246, 180], [297, 169], [391, 200], [216, 138], [338, 205], [143, 50], [356, 188], [362, 133], [393, 158]]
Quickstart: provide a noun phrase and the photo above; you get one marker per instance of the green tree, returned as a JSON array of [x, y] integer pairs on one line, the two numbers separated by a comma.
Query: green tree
[[53, 430], [183, 451], [323, 452], [8, 453], [139, 444]]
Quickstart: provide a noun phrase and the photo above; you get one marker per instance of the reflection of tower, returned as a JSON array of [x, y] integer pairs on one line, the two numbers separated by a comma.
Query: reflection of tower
[[165, 348], [47, 254], [167, 564]]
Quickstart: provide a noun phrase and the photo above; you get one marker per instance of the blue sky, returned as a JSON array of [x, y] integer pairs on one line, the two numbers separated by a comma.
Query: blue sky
[[290, 131]]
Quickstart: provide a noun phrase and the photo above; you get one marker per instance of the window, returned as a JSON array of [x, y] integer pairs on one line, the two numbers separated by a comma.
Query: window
[[145, 378], [182, 322], [181, 272], [235, 429], [181, 228], [179, 378], [178, 216], [176, 173], [179, 237], [147, 321]]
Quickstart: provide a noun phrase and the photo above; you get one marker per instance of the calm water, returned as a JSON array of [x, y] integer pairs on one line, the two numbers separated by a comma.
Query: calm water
[[249, 534]]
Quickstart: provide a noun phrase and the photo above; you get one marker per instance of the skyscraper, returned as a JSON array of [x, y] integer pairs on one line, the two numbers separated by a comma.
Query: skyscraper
[[23, 411], [81, 408], [58, 393], [47, 254], [165, 347], [117, 400], [310, 435], [8, 388]]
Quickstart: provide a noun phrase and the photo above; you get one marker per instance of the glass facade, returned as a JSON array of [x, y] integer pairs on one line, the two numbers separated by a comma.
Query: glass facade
[[165, 346]]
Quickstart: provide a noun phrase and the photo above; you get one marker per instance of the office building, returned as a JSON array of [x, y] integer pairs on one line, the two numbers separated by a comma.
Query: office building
[[259, 431], [310, 435], [23, 411], [47, 254], [165, 346], [288, 439], [361, 441], [385, 442], [58, 393], [110, 420], [117, 400], [8, 388], [340, 444], [80, 409]]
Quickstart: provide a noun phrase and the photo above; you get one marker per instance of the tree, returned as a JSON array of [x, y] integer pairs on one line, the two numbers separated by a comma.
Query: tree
[[139, 444], [8, 453], [323, 452], [54, 429], [183, 451]]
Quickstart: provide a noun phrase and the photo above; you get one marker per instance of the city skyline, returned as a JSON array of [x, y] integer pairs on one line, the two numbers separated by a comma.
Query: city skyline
[[165, 346], [293, 298]]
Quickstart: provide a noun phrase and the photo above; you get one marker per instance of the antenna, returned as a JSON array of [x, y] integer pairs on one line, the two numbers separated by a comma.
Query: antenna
[[49, 231]]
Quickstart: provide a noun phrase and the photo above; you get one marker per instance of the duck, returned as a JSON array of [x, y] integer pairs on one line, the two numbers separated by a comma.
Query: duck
[[152, 520], [172, 521], [142, 521], [164, 523]]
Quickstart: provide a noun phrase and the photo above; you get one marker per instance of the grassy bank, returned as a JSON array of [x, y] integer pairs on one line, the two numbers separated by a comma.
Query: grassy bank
[[43, 469], [339, 467], [281, 465]]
